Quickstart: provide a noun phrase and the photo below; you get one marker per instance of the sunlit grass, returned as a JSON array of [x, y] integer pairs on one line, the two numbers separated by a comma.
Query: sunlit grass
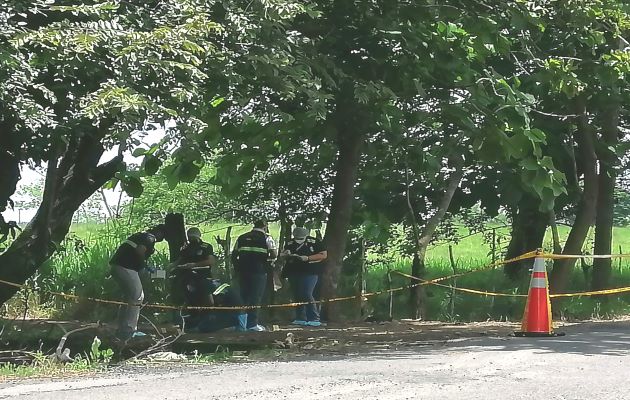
[[81, 267]]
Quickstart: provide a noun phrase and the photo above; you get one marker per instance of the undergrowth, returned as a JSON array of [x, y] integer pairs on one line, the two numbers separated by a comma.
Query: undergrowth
[[80, 267]]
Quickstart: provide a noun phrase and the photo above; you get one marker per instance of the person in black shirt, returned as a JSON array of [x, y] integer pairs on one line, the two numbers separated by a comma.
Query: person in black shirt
[[304, 255], [250, 257], [194, 281], [191, 271], [128, 260]]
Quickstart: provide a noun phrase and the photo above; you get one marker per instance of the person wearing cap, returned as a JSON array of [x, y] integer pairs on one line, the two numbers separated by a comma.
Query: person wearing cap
[[251, 255], [304, 255], [192, 267], [125, 265], [193, 281]]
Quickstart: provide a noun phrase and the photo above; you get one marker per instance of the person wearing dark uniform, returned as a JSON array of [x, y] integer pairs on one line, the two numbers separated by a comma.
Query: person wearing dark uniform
[[250, 258], [192, 268], [126, 263], [194, 285], [304, 255]]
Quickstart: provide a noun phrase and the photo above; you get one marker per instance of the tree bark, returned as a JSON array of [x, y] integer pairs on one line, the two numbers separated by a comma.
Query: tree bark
[[9, 167], [587, 204], [78, 176], [175, 234], [423, 237], [602, 267], [350, 140], [528, 233], [336, 236], [557, 248]]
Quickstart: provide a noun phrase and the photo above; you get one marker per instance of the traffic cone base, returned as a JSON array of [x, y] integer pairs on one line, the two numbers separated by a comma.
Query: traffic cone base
[[537, 321], [538, 334]]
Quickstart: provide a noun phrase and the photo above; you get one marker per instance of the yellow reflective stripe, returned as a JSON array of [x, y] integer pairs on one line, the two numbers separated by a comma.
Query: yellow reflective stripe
[[220, 289], [253, 249], [130, 243]]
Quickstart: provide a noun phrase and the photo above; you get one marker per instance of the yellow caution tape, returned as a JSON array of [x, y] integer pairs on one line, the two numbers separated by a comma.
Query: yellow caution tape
[[460, 289], [422, 282], [593, 293], [552, 256]]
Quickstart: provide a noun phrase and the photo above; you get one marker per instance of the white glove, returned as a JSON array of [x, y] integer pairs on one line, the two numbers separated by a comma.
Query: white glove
[[304, 258]]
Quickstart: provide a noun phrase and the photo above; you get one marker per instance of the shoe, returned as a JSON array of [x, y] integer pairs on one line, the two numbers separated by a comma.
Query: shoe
[[313, 323], [257, 328], [299, 322], [138, 334]]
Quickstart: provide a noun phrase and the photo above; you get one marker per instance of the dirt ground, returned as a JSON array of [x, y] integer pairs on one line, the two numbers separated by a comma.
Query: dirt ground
[[336, 338], [398, 360]]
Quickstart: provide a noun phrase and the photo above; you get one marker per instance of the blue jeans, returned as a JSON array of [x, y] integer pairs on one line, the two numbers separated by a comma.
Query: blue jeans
[[303, 287], [252, 290]]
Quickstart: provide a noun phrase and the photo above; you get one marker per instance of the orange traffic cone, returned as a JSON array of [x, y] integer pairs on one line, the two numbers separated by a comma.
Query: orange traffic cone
[[537, 317]]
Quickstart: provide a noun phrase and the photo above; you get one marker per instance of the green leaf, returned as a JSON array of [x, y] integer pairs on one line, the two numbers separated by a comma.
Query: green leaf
[[140, 151], [151, 164], [111, 184], [188, 171], [217, 102], [536, 135], [132, 186], [172, 178]]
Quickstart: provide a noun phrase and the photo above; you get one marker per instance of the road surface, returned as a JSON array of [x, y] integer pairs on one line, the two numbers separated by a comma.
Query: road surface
[[591, 362]]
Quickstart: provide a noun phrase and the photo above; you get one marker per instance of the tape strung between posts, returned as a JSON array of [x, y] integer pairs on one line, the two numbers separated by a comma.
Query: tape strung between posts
[[541, 255], [423, 282], [466, 290], [525, 256]]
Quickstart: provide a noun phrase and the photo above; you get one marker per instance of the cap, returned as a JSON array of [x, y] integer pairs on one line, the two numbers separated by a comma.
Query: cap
[[193, 233], [260, 223], [300, 233]]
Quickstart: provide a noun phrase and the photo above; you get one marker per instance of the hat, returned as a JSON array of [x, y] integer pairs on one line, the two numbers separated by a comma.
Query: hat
[[260, 223], [193, 233], [300, 233]]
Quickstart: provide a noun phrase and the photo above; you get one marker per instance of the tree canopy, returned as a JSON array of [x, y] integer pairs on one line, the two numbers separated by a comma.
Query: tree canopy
[[357, 112]]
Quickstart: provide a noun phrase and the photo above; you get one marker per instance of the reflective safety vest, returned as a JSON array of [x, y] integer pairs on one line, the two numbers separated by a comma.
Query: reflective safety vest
[[251, 252]]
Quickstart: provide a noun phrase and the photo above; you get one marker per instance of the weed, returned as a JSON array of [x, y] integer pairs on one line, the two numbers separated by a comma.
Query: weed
[[44, 365], [80, 267]]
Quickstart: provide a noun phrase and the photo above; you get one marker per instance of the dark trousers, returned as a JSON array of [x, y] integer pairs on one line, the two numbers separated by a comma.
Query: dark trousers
[[303, 287], [252, 291]]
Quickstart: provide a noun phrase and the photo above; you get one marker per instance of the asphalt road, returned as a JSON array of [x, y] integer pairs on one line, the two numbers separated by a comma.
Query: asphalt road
[[591, 362]]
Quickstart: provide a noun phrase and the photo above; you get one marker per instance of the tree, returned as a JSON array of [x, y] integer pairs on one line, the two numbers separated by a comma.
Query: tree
[[96, 73]]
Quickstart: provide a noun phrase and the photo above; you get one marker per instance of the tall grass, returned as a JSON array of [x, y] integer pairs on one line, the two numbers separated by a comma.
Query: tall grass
[[80, 267]]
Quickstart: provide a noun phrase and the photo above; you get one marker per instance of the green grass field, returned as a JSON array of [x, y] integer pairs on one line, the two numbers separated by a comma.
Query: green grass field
[[81, 267]]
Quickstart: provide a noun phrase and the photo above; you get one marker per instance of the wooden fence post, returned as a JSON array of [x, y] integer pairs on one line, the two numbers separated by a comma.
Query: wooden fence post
[[361, 277], [227, 254]]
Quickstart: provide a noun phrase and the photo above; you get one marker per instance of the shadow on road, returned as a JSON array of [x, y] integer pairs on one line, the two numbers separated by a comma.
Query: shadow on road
[[590, 338]]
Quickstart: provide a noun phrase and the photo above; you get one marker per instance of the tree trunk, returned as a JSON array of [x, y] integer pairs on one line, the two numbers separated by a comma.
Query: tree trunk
[[423, 238], [77, 177], [175, 234], [559, 277], [605, 198], [9, 167], [555, 235], [350, 144], [528, 233]]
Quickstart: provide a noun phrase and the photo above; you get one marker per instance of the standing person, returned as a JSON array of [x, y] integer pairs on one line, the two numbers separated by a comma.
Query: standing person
[[192, 269], [126, 263], [304, 256], [194, 283], [250, 257]]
